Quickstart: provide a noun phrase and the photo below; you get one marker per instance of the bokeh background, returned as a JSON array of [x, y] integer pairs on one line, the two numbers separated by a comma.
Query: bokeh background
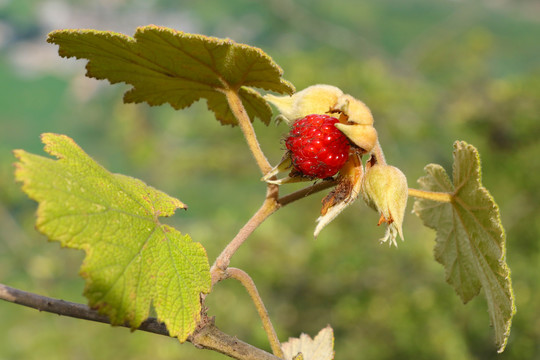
[[431, 72]]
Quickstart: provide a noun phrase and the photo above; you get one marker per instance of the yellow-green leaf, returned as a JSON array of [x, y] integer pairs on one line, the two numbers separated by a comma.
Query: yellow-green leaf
[[132, 260], [168, 66], [470, 241]]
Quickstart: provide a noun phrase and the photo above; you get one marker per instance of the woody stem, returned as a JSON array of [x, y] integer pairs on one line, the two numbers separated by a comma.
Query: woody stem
[[269, 206], [248, 283]]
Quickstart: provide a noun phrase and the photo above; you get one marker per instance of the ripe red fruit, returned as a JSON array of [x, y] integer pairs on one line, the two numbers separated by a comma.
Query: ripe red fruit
[[317, 147]]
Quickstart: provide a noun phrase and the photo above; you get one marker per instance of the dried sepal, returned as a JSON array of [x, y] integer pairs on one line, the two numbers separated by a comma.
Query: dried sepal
[[284, 165], [345, 192]]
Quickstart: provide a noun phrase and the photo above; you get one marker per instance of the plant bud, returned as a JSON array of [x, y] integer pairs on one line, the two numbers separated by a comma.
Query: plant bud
[[385, 189], [316, 99]]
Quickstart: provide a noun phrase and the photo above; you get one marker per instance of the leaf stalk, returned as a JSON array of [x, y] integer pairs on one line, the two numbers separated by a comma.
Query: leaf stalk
[[239, 112]]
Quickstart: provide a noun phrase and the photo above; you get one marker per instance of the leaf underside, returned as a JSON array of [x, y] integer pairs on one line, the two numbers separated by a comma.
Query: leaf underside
[[168, 66], [132, 261], [470, 241]]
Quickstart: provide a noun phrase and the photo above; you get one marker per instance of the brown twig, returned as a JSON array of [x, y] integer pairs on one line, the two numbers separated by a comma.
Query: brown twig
[[310, 190], [222, 262], [207, 336], [270, 205]]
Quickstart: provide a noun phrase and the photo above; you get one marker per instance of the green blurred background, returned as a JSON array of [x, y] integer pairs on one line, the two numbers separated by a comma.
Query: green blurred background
[[431, 71]]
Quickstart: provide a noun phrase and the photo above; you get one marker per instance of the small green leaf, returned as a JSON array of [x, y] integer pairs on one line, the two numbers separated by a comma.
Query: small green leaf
[[470, 242], [132, 261], [168, 66], [305, 348]]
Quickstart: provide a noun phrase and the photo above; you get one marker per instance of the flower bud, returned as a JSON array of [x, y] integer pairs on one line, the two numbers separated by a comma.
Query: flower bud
[[316, 99], [385, 189]]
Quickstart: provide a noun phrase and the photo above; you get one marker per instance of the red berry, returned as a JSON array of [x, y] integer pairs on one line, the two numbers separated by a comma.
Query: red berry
[[317, 147]]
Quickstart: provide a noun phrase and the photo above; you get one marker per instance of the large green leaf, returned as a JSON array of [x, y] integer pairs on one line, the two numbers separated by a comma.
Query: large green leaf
[[169, 66], [470, 242], [132, 261]]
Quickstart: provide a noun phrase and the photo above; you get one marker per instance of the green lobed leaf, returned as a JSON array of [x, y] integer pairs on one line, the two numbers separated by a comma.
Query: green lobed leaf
[[168, 66], [470, 241], [132, 261]]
